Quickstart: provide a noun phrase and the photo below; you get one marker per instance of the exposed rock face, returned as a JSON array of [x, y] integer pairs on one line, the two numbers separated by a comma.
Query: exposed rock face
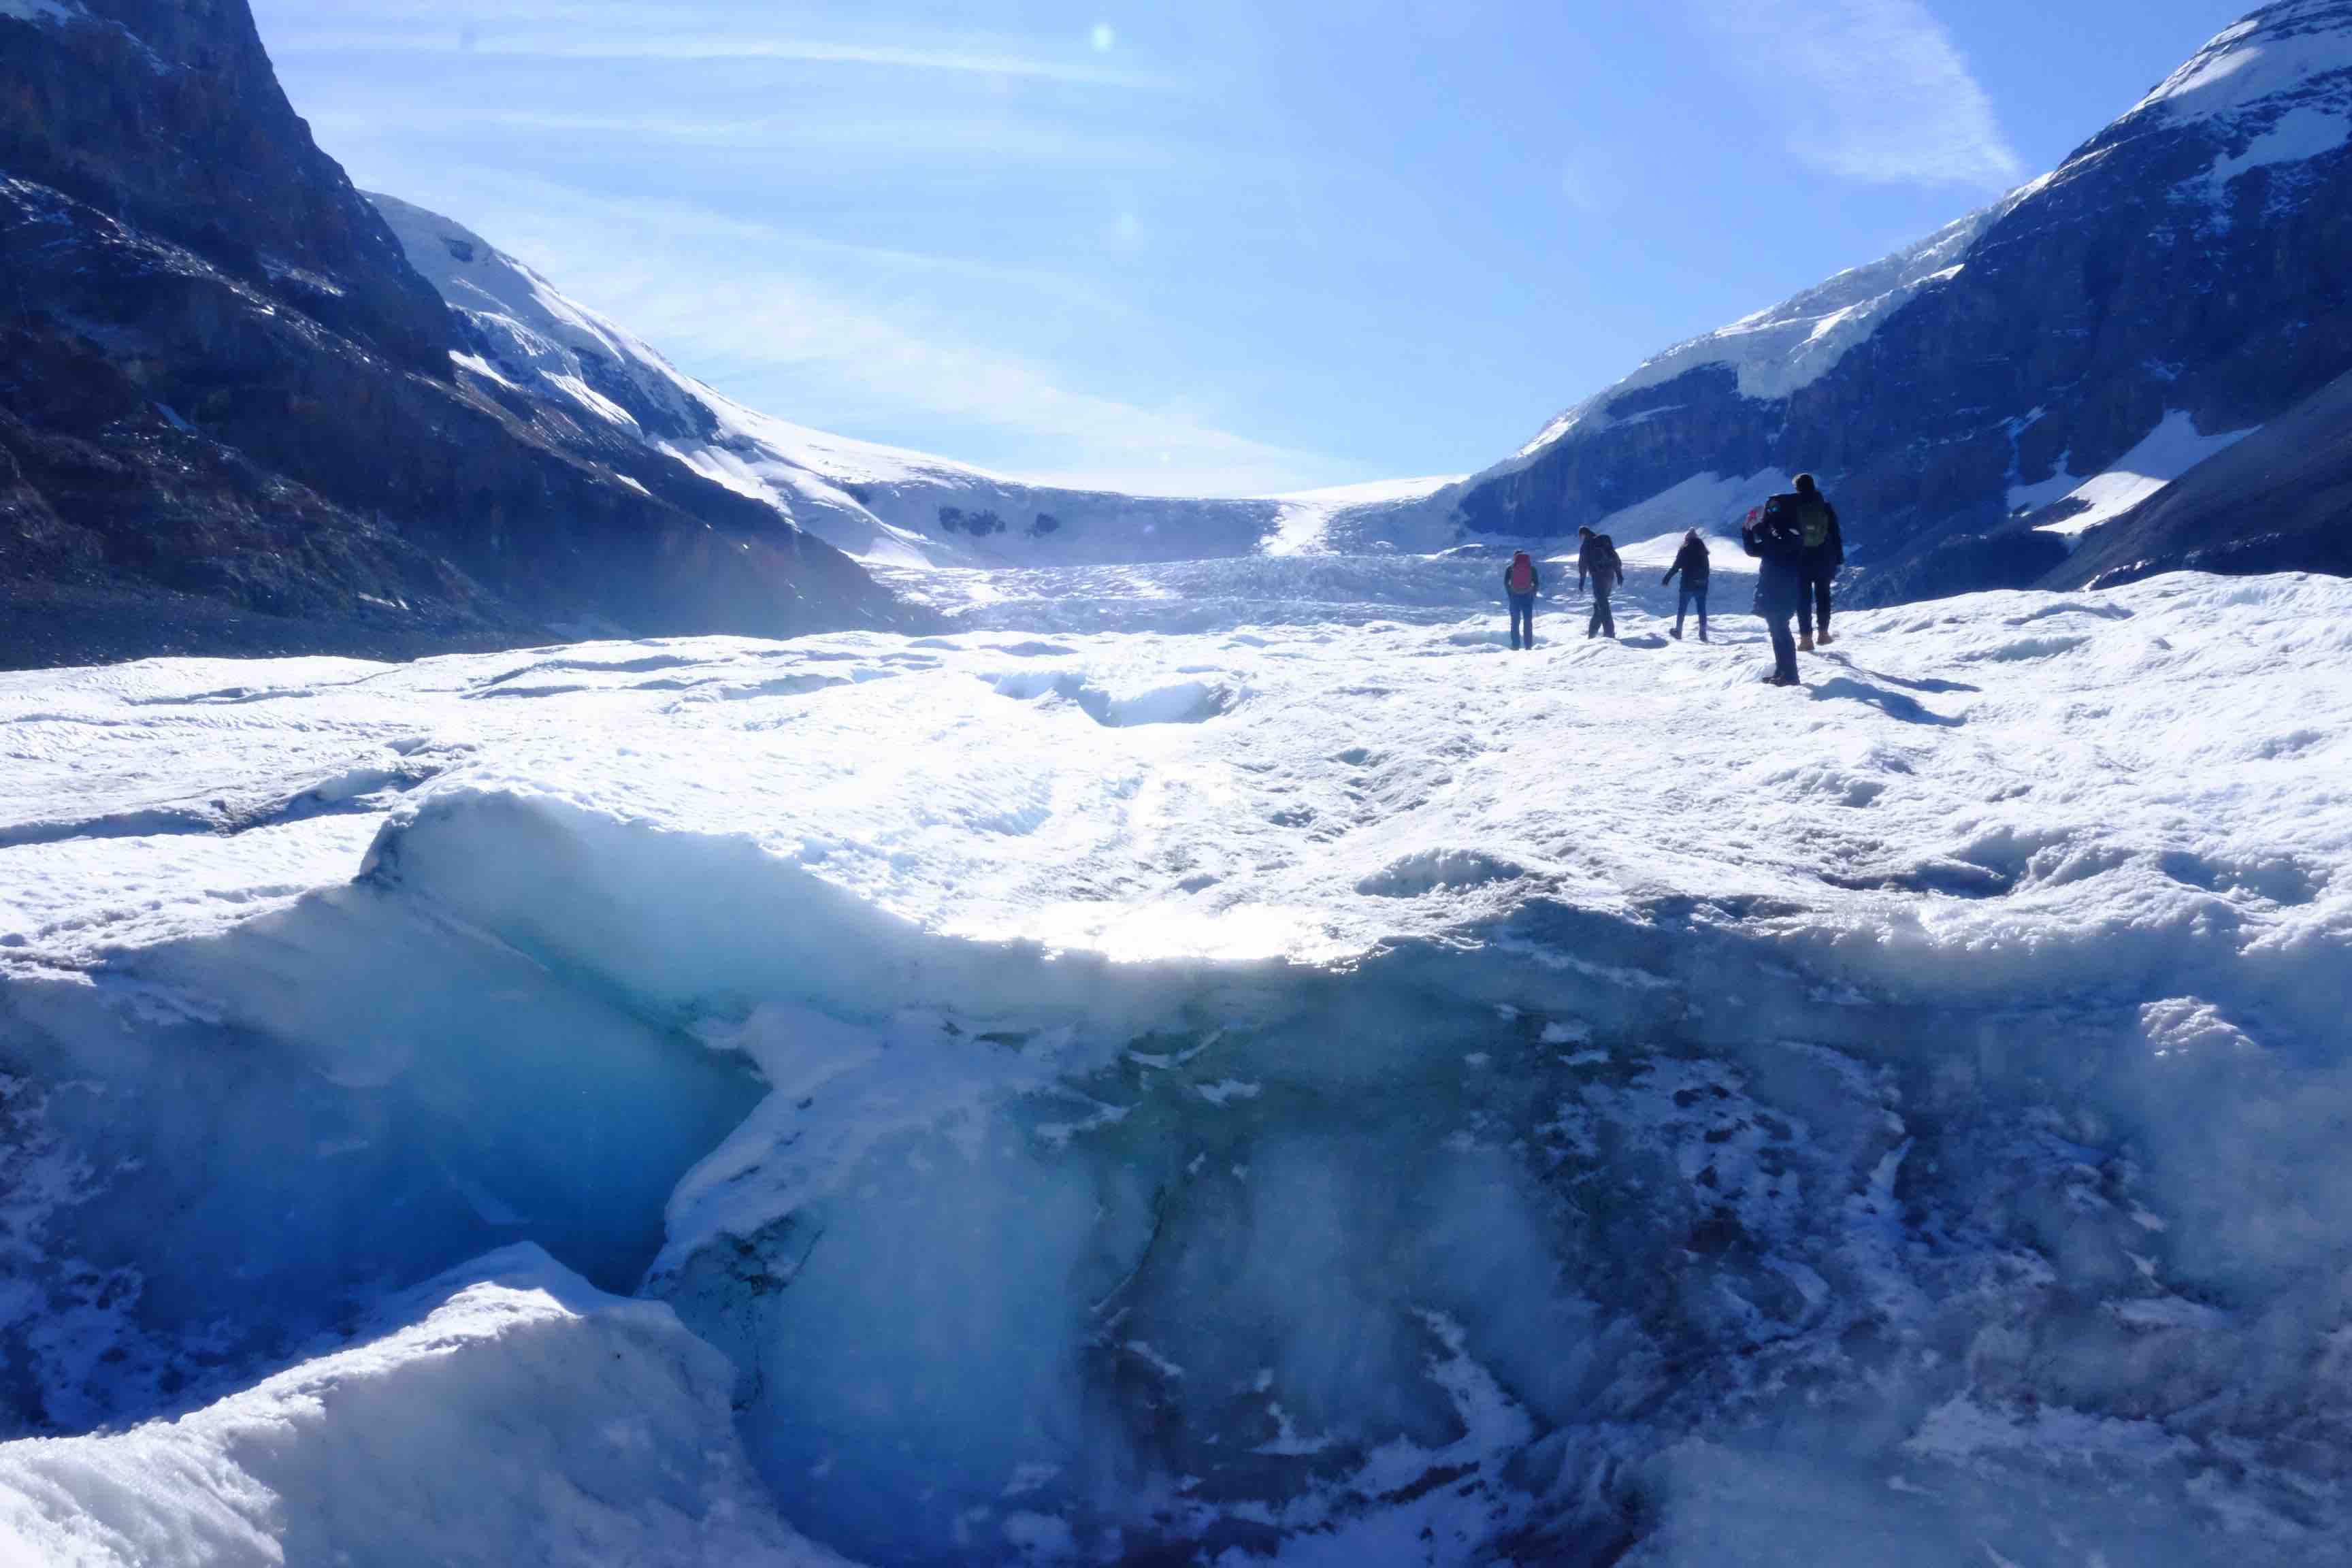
[[227, 417], [2195, 257]]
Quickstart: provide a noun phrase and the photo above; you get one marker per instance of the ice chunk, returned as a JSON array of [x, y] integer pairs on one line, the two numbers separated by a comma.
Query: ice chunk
[[509, 1413]]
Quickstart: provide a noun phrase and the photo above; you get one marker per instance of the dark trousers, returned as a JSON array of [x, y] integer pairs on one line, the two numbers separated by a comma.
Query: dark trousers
[[1603, 621], [1784, 644], [1813, 604], [1523, 620], [1691, 596]]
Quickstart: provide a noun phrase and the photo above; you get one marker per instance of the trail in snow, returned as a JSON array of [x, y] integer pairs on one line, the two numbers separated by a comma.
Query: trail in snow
[[1220, 1057]]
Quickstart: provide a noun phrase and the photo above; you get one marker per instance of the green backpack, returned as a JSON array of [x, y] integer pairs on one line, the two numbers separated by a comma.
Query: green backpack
[[1812, 522]]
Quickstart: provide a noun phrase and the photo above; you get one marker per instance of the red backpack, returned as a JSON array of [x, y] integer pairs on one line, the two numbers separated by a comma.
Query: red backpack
[[1522, 577]]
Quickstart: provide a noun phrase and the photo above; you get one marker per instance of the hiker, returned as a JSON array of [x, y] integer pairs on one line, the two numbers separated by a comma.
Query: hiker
[[1597, 562], [1520, 581], [1770, 537], [1691, 565], [1817, 524]]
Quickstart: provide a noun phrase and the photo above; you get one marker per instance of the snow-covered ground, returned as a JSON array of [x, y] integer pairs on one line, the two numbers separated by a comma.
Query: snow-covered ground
[[1222, 1057]]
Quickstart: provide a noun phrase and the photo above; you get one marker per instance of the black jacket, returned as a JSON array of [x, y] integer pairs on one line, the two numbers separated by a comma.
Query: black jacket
[[1597, 559], [1780, 580], [1692, 563]]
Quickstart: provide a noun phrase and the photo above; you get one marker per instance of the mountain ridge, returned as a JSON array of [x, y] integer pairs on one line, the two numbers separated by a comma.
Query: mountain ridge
[[2188, 259], [229, 422], [886, 504]]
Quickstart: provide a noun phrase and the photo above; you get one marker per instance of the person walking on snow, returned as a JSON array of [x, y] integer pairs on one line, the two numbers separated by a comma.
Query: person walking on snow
[[1779, 551], [1816, 523], [1691, 563], [1520, 581], [1597, 562]]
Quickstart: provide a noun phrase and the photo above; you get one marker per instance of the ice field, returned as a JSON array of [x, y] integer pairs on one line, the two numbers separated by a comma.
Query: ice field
[[1213, 1061]]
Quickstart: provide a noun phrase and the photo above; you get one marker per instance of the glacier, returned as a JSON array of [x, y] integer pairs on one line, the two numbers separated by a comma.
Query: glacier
[[1208, 1061], [882, 504]]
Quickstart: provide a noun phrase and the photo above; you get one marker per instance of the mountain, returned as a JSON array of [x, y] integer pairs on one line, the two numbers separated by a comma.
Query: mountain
[[878, 502], [2183, 278], [228, 420]]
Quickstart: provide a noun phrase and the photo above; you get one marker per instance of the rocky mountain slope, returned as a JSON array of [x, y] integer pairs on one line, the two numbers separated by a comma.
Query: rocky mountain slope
[[878, 502], [2280, 499], [229, 421], [2184, 273]]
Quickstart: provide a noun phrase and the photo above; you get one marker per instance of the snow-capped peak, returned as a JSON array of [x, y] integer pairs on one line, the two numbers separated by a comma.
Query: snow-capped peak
[[2280, 79], [2302, 48], [1781, 349]]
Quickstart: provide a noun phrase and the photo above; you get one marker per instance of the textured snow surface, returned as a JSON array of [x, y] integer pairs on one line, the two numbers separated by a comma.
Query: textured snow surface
[[1220, 1061]]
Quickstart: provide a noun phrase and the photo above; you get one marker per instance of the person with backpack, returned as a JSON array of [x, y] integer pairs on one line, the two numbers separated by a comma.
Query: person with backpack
[[1691, 565], [1520, 581], [1817, 524], [1771, 537], [1597, 562]]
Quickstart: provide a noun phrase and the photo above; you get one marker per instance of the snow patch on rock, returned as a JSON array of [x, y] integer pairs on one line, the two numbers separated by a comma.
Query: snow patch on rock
[[2075, 504]]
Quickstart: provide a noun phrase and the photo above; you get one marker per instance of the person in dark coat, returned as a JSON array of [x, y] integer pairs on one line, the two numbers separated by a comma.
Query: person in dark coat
[[1779, 551], [1521, 581], [1597, 562], [1816, 523], [1691, 567]]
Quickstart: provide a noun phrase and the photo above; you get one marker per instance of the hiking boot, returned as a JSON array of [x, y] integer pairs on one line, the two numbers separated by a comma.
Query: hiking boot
[[1825, 639], [1805, 643], [1678, 634]]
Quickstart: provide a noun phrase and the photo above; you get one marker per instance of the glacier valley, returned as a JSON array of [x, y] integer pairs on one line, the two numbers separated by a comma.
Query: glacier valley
[[1215, 1061]]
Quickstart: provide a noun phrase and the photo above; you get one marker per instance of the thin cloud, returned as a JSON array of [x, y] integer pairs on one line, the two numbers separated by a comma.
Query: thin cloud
[[668, 44], [1870, 90], [802, 346], [900, 141]]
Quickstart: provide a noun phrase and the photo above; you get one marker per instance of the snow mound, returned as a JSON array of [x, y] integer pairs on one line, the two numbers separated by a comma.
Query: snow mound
[[517, 1415], [1173, 702], [1429, 871]]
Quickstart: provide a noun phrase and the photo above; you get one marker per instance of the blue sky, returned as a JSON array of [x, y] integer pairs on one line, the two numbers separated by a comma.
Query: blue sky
[[1211, 246]]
